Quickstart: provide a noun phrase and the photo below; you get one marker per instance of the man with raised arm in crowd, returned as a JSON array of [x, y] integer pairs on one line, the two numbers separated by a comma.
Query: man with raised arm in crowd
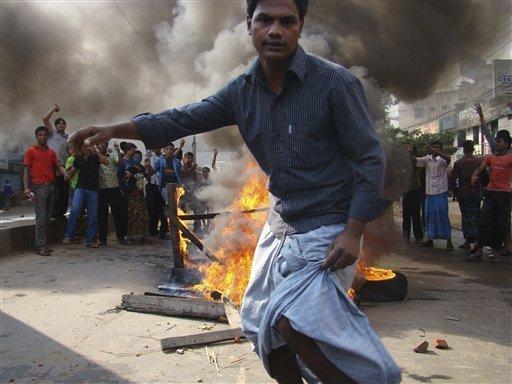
[[507, 250], [58, 142], [494, 223], [306, 122], [41, 165]]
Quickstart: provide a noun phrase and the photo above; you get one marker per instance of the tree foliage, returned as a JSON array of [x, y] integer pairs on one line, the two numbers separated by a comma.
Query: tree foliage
[[422, 140]]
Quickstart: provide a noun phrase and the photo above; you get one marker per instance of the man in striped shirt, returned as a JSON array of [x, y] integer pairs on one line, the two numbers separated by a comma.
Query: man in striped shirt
[[306, 122]]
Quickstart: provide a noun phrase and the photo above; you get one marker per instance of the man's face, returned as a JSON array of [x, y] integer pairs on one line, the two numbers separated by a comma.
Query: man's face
[[436, 147], [206, 174], [87, 150], [188, 160], [275, 29], [103, 148], [60, 126], [501, 145], [130, 152], [42, 137], [168, 151]]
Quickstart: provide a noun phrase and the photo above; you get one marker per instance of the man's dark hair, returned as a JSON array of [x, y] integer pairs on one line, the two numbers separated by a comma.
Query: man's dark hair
[[302, 6], [468, 146], [505, 135], [189, 154], [206, 169], [171, 144], [125, 146], [60, 120], [436, 142], [42, 128]]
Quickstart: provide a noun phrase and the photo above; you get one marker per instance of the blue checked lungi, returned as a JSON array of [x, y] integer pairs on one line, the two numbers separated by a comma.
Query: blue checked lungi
[[287, 280], [437, 220]]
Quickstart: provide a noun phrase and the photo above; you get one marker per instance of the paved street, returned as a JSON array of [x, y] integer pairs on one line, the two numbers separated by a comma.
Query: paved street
[[58, 323]]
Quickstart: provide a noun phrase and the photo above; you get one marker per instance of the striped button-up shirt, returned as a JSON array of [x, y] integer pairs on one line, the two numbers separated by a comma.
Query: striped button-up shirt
[[315, 140], [436, 174], [108, 173]]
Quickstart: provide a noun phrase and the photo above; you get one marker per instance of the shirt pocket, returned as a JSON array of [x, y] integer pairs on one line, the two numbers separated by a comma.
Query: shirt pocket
[[308, 146]]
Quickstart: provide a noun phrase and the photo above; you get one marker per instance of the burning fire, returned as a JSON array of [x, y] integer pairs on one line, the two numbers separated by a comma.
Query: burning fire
[[239, 234], [374, 274]]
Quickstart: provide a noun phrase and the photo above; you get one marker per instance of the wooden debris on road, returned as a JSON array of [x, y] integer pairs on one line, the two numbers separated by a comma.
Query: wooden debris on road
[[173, 306], [200, 339], [232, 313], [422, 348], [441, 344]]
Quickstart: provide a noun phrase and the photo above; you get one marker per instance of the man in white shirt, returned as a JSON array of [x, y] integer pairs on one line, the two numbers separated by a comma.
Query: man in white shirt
[[436, 205]]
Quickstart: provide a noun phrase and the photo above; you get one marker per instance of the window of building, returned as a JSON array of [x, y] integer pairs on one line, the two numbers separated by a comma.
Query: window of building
[[476, 135], [418, 113], [461, 138]]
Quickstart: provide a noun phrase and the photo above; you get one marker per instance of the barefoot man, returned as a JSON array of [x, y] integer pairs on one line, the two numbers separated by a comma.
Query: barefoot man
[[306, 122]]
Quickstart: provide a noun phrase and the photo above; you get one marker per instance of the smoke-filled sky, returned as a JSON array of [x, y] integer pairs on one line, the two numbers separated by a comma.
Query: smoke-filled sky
[[106, 61]]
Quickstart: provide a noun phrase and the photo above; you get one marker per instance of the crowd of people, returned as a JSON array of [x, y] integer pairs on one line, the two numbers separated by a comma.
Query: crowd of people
[[481, 185], [98, 180]]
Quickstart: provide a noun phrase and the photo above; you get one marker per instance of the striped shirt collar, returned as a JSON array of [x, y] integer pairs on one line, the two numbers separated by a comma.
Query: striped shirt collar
[[297, 66]]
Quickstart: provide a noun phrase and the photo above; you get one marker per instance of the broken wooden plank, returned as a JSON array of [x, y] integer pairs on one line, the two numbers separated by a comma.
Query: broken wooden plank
[[233, 315], [206, 216], [193, 238], [172, 213], [173, 306], [171, 343]]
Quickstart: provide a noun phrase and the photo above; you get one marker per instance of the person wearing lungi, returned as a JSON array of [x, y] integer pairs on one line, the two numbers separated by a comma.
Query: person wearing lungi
[[306, 122], [436, 204]]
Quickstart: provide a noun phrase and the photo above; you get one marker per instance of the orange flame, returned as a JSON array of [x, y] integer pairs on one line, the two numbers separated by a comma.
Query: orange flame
[[239, 238], [374, 274]]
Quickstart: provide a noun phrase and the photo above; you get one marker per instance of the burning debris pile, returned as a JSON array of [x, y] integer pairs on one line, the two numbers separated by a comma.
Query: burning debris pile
[[234, 239]]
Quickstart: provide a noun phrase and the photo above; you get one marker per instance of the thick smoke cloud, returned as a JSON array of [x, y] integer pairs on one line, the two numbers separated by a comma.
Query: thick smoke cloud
[[405, 46], [107, 61], [85, 57]]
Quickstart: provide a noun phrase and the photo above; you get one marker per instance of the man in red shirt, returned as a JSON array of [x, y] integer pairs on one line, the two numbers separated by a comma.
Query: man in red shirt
[[40, 165], [495, 213]]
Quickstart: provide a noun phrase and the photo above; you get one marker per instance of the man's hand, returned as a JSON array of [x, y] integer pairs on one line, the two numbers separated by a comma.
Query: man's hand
[[26, 192], [478, 109], [343, 251], [56, 108], [182, 143], [474, 180], [91, 135], [94, 135]]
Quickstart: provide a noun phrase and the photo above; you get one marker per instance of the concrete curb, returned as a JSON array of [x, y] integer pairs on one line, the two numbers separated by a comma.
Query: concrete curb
[[22, 237]]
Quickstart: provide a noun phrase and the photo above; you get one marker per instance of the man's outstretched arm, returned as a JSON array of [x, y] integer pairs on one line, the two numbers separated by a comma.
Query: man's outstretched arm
[[156, 130]]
